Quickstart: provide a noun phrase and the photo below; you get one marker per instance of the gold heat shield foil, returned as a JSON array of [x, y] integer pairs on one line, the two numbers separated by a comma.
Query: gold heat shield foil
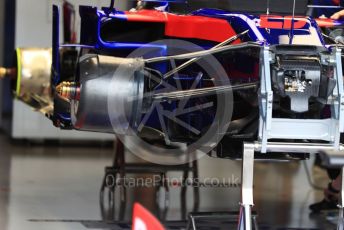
[[33, 78]]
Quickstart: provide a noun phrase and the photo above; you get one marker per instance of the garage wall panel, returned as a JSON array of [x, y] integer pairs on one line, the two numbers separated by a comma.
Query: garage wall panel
[[34, 29]]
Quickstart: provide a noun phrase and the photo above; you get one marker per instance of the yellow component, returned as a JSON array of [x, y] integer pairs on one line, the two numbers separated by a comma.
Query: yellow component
[[18, 71], [3, 72], [7, 72]]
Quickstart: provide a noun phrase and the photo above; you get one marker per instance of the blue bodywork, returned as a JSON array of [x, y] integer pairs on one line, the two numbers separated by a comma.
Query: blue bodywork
[[92, 19], [276, 30]]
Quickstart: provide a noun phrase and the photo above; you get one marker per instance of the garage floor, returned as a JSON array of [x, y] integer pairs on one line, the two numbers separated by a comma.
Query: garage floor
[[58, 188]]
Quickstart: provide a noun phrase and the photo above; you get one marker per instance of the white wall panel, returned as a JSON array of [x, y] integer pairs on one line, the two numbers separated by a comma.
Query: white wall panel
[[34, 19]]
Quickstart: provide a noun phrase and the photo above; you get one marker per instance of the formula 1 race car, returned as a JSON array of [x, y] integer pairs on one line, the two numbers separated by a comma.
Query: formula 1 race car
[[212, 81], [258, 77]]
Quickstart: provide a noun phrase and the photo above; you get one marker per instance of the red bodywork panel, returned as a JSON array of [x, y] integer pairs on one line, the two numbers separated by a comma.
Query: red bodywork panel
[[144, 220], [326, 22], [281, 22], [187, 26]]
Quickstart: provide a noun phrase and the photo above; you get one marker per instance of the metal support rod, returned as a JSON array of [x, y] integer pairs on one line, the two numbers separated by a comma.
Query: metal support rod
[[324, 6], [191, 223], [196, 188], [178, 95], [245, 219], [111, 7], [296, 147], [291, 36], [205, 52]]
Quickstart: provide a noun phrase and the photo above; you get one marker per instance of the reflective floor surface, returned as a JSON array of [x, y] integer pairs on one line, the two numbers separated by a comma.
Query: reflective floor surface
[[54, 187]]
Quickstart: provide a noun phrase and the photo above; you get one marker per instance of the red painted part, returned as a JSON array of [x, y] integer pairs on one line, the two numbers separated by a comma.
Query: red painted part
[[144, 220], [80, 123], [187, 26], [325, 22], [211, 29], [146, 16], [281, 22]]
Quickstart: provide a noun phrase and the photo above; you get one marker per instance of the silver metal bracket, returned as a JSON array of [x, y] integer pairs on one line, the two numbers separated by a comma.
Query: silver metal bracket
[[300, 129], [245, 219], [266, 97]]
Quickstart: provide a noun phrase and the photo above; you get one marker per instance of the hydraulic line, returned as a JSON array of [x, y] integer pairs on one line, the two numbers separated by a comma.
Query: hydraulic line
[[179, 95], [186, 64]]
